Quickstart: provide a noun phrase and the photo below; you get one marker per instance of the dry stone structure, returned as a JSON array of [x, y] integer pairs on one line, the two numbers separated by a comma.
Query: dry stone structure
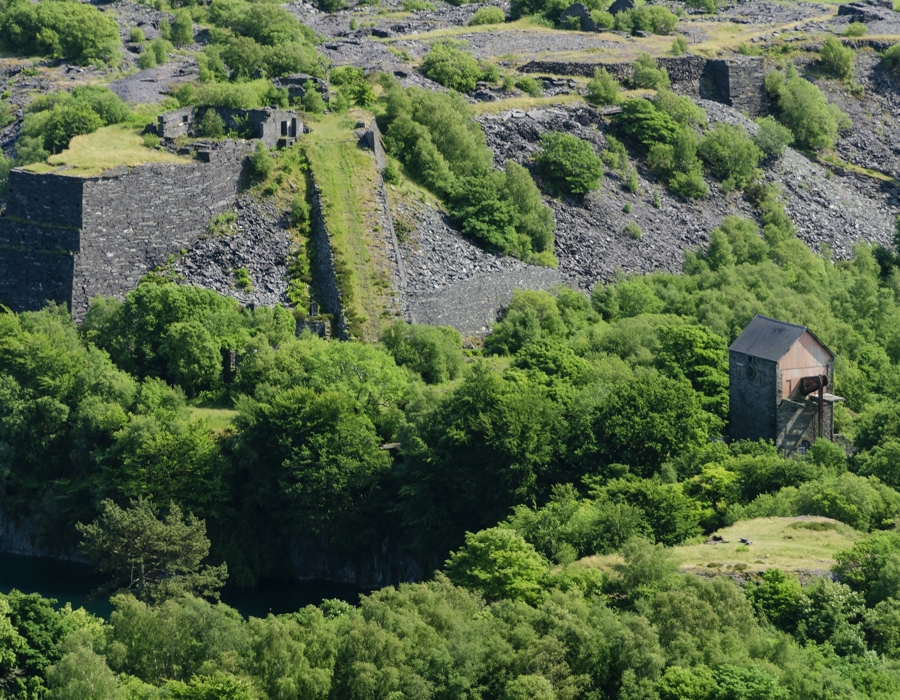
[[738, 82], [274, 127]]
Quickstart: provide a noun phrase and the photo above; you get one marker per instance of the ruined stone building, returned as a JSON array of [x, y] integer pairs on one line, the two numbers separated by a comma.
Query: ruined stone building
[[779, 377]]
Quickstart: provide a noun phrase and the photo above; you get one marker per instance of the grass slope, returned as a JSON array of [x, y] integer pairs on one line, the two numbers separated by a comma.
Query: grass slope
[[802, 544], [216, 418], [106, 148], [347, 176]]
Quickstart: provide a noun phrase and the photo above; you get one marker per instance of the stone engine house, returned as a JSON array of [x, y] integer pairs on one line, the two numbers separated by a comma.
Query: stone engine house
[[779, 377]]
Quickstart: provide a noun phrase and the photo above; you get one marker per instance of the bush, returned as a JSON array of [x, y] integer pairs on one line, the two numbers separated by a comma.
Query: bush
[[648, 75], [147, 58], [260, 162], [856, 29], [647, 18], [731, 155], [488, 15], [529, 85], [603, 19], [435, 352], [632, 230], [72, 31], [836, 58], [708, 6], [182, 28], [642, 121], [161, 49], [772, 138], [568, 163], [689, 185], [416, 5], [679, 45], [447, 64], [312, 101], [211, 125], [891, 58], [802, 108], [602, 89], [136, 35]]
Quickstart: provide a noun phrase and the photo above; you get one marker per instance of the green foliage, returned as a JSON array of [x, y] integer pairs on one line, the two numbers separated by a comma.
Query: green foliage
[[312, 101], [837, 59], [646, 18], [487, 15], [529, 85], [260, 163], [433, 352], [136, 35], [61, 30], [642, 121], [416, 5], [632, 230], [647, 74], [679, 46], [182, 29], [802, 108], [891, 58], [451, 66], [156, 558], [602, 89], [146, 58], [568, 163], [772, 138], [603, 19], [211, 125], [161, 49], [499, 564], [856, 29], [731, 155]]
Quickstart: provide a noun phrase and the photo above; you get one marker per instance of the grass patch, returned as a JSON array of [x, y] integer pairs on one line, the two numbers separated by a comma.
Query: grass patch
[[106, 148], [216, 418], [858, 169], [792, 544], [525, 103], [347, 176]]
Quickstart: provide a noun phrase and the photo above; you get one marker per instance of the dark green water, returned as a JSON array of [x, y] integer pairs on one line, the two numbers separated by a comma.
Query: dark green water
[[72, 582]]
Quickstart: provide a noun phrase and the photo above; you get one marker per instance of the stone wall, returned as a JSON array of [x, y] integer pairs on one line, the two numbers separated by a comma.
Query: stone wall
[[681, 69], [739, 82], [752, 401], [327, 292], [68, 239], [274, 127]]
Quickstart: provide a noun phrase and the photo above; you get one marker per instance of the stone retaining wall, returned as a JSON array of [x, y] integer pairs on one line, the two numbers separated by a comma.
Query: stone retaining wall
[[327, 291], [67, 239]]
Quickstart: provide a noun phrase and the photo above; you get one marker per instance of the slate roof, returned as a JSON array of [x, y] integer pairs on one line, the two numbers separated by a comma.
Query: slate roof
[[769, 339]]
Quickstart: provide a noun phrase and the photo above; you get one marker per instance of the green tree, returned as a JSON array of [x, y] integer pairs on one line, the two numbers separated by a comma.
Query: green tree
[[82, 675], [260, 163], [772, 138], [211, 125], [836, 58], [802, 108], [182, 28], [534, 219], [477, 203], [433, 352], [569, 163], [648, 75], [448, 64], [498, 563], [731, 155], [779, 598], [602, 89], [156, 558], [193, 356], [312, 101]]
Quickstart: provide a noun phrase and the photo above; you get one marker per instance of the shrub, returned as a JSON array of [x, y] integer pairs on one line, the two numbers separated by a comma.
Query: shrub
[[631, 184], [642, 121], [260, 162], [136, 35], [416, 5], [488, 15], [435, 352], [772, 138], [182, 28], [802, 108], [681, 108], [160, 49], [211, 125], [647, 18], [478, 204], [602, 89], [447, 64], [731, 155], [648, 75], [330, 5], [856, 29], [708, 6], [679, 45], [689, 185], [146, 59], [312, 101], [529, 85], [632, 230], [72, 31], [836, 58], [569, 163], [891, 58], [603, 19], [300, 211]]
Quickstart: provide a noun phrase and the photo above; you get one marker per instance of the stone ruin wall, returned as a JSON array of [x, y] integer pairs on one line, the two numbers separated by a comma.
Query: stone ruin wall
[[68, 239], [738, 82]]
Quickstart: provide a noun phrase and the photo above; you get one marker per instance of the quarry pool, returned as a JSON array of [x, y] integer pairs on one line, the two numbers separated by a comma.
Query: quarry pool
[[73, 582]]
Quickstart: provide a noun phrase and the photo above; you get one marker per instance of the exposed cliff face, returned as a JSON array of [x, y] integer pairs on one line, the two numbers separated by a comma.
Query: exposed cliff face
[[386, 566]]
